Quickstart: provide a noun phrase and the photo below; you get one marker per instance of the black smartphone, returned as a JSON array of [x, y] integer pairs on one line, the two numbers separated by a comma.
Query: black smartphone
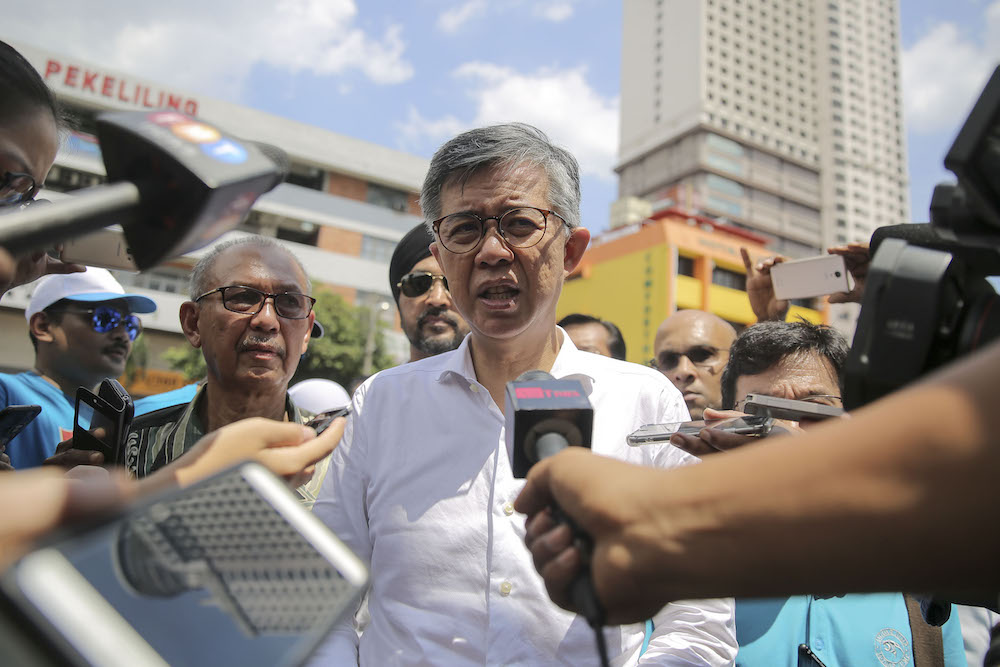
[[13, 419], [785, 408], [757, 427], [110, 410], [230, 571], [323, 420]]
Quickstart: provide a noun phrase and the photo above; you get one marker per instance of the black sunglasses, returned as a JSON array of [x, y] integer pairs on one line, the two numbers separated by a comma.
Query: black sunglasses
[[417, 283], [250, 301], [106, 318], [699, 355]]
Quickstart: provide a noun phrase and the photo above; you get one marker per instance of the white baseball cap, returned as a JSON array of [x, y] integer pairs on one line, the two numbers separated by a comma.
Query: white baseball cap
[[318, 395], [93, 285]]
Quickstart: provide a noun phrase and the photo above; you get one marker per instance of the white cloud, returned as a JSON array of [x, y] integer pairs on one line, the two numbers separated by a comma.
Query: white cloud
[[452, 19], [559, 102], [944, 72], [213, 46], [554, 11]]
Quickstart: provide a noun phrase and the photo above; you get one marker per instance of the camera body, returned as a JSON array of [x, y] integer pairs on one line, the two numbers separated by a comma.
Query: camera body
[[927, 300]]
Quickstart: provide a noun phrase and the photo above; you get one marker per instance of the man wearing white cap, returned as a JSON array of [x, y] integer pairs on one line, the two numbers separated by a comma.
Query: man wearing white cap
[[82, 326]]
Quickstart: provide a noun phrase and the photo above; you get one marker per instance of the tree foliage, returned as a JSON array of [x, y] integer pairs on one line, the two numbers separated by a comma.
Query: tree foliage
[[338, 355]]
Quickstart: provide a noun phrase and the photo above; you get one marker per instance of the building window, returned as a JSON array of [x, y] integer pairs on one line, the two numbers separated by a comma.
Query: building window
[[377, 249], [381, 195], [727, 278], [685, 266]]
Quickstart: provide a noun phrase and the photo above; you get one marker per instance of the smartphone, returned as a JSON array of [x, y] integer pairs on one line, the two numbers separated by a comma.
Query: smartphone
[[230, 571], [810, 277], [785, 408], [111, 410], [323, 420], [13, 419], [106, 248], [757, 426]]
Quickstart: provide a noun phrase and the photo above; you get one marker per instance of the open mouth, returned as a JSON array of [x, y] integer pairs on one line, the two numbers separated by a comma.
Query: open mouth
[[499, 296]]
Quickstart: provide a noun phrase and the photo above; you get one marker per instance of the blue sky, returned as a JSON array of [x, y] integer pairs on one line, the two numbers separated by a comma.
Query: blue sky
[[411, 74]]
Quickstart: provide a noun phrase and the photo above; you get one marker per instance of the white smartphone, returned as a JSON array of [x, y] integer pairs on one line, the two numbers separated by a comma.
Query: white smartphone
[[106, 249], [810, 277], [231, 571]]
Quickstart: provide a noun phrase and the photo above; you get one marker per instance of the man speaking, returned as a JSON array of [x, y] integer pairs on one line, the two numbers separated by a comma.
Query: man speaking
[[421, 484]]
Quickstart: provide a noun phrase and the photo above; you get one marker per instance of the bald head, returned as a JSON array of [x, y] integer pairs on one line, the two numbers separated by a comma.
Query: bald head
[[692, 348]]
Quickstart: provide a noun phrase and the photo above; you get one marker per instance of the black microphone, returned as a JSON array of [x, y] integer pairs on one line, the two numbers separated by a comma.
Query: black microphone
[[544, 417], [174, 185]]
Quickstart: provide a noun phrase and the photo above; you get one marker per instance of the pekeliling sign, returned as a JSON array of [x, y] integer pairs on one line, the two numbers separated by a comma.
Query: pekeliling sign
[[63, 74]]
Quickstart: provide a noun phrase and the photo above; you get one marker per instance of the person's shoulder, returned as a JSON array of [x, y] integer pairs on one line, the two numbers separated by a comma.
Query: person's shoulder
[[600, 367]]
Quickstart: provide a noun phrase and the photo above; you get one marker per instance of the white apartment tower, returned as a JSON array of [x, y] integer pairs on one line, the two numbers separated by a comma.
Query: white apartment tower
[[782, 116]]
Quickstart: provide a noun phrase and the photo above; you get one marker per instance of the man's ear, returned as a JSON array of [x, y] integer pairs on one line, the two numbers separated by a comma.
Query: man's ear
[[40, 326], [189, 314], [436, 252], [309, 329], [576, 245]]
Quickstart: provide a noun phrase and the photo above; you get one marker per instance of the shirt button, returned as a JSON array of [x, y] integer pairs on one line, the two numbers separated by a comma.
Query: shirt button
[[505, 588], [508, 509], [818, 644], [474, 388]]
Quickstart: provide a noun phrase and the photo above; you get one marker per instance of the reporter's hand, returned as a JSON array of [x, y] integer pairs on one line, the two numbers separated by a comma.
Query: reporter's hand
[[610, 500], [287, 449], [760, 289], [27, 268], [711, 441], [857, 258], [68, 458]]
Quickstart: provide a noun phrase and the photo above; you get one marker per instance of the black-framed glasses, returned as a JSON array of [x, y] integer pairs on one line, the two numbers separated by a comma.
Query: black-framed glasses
[[519, 228], [250, 301], [820, 399], [107, 318], [419, 282], [16, 188], [702, 356]]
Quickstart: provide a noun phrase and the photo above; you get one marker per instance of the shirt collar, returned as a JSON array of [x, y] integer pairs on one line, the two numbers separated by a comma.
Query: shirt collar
[[568, 363]]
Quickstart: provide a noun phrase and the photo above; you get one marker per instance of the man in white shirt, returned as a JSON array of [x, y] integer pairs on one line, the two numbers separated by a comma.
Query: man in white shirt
[[421, 484]]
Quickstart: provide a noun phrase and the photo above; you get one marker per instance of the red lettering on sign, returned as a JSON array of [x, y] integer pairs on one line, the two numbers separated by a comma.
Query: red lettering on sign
[[121, 91], [71, 73], [191, 108], [174, 102], [109, 86], [529, 392], [88, 81], [52, 67]]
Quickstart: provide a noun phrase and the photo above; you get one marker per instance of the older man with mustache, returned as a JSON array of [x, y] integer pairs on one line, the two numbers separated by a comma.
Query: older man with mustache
[[251, 315]]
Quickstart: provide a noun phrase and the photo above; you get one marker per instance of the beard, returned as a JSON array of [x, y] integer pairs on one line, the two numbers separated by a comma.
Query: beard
[[432, 344]]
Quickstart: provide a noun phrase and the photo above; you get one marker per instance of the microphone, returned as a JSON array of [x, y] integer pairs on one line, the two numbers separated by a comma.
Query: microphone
[[544, 417], [174, 185]]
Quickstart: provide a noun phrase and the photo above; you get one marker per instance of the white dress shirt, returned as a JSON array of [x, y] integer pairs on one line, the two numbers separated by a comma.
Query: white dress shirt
[[421, 487]]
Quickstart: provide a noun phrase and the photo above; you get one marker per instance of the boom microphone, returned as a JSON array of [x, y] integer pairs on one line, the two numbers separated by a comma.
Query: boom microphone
[[174, 185]]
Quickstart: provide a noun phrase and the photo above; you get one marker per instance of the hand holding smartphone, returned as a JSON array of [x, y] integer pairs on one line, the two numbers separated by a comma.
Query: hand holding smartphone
[[811, 277], [110, 410]]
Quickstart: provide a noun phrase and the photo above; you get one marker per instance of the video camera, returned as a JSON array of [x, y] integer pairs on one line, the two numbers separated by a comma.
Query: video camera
[[927, 300]]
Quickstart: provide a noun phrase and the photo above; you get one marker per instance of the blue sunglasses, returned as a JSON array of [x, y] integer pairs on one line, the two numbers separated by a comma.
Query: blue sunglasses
[[105, 318]]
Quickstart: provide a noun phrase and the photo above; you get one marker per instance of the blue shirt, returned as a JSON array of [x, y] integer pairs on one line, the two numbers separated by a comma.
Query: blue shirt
[[857, 629], [53, 424], [166, 399]]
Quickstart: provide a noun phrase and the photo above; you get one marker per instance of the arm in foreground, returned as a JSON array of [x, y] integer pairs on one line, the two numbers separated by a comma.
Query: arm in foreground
[[875, 503]]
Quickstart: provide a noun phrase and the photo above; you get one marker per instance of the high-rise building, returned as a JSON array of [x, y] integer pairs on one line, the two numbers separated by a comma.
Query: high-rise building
[[781, 116]]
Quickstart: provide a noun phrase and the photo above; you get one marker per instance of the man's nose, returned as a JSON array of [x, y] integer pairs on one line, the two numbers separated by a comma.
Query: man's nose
[[438, 295], [684, 372], [267, 318], [494, 250]]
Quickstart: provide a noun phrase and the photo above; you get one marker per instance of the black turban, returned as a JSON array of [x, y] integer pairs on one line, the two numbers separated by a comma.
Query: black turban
[[411, 249]]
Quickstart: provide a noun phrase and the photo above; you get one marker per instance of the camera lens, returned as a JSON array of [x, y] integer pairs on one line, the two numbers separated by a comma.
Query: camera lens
[[836, 273]]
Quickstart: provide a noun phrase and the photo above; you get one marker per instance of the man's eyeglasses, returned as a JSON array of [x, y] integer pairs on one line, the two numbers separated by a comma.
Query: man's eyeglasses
[[702, 356], [17, 188], [419, 282], [519, 228], [106, 318], [820, 399], [250, 301]]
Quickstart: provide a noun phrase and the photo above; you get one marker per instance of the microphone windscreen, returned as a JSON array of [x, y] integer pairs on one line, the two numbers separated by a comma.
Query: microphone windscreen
[[534, 376], [921, 234]]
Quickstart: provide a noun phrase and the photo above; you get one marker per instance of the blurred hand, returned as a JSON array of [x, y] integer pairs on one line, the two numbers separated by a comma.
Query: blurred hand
[[68, 458], [27, 268], [857, 259], [610, 500], [287, 449], [760, 289], [38, 501]]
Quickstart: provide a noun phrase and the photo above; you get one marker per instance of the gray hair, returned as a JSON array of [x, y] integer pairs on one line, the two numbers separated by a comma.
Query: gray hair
[[507, 146], [202, 271]]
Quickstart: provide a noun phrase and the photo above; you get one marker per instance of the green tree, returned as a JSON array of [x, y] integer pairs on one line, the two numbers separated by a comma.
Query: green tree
[[338, 355]]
